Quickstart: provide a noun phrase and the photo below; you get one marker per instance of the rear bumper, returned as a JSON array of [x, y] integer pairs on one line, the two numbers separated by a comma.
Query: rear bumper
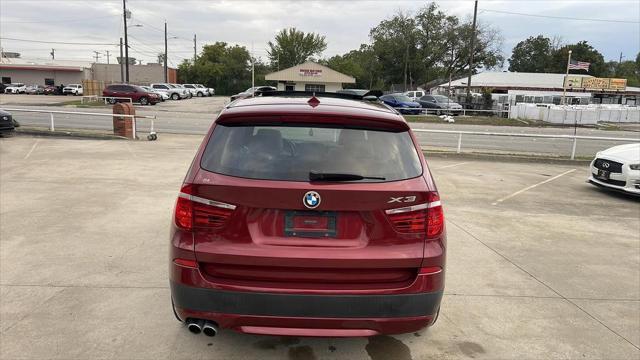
[[308, 315], [305, 305]]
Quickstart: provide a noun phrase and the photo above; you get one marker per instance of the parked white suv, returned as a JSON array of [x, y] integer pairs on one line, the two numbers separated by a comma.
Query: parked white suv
[[73, 89], [197, 91], [211, 91], [415, 95], [173, 92], [17, 88]]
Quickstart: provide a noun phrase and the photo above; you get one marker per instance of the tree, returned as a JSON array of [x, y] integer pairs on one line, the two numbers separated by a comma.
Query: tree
[[431, 45], [223, 67], [361, 64], [293, 47], [580, 51], [531, 55]]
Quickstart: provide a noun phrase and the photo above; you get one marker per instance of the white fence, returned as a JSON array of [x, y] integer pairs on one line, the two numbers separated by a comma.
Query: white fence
[[52, 113], [576, 114], [573, 138]]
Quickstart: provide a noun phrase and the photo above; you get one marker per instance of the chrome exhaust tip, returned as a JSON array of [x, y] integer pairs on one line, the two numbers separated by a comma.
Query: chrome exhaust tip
[[210, 328], [195, 325]]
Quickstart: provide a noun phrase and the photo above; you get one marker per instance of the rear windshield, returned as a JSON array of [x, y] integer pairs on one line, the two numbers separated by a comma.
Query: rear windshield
[[291, 152]]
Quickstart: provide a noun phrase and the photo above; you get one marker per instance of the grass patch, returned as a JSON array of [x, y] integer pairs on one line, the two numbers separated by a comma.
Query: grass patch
[[474, 120]]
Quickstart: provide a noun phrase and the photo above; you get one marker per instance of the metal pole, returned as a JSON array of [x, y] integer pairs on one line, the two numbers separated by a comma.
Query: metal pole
[[473, 41], [564, 85], [51, 126], [121, 64], [573, 148], [107, 57], [166, 57], [195, 51], [459, 142], [126, 42], [253, 77]]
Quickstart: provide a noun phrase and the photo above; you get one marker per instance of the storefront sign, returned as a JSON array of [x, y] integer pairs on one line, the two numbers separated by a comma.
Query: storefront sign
[[311, 72], [618, 84], [592, 83], [595, 83]]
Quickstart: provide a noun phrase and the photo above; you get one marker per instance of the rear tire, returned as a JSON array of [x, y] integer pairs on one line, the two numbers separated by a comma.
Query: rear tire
[[144, 101], [111, 101], [200, 94], [175, 96]]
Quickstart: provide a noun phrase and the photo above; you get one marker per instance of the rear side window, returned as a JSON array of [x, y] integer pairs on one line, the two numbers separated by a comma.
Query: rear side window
[[290, 153]]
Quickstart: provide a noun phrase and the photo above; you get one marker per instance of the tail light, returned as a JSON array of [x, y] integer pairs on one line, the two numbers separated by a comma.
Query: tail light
[[196, 212], [426, 218]]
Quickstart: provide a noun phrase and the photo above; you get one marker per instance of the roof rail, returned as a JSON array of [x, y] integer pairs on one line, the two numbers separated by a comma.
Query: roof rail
[[371, 95]]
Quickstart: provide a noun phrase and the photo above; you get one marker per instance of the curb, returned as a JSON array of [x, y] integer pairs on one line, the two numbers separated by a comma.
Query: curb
[[67, 134]]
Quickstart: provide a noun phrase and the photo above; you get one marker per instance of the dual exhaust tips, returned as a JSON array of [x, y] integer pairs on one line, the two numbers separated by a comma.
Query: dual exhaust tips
[[197, 326]]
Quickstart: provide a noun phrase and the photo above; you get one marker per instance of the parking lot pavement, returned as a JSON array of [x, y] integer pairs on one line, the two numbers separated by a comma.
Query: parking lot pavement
[[540, 264]]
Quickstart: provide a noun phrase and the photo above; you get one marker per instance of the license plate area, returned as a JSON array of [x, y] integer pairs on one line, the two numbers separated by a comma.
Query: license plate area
[[312, 224], [602, 174]]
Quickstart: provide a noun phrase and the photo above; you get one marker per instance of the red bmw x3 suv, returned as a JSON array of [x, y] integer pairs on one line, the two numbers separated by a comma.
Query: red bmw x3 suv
[[308, 217]]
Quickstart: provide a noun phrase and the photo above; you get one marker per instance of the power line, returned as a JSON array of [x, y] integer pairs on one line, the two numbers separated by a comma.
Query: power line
[[57, 21], [55, 42], [560, 17]]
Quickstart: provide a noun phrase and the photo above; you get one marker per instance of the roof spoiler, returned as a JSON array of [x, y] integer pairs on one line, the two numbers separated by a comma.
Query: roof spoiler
[[371, 95]]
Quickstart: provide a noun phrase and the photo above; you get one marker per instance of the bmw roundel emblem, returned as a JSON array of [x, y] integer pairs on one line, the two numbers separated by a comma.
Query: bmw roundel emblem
[[311, 199]]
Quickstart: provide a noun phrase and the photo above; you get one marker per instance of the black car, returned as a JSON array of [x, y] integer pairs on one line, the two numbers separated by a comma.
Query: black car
[[7, 124]]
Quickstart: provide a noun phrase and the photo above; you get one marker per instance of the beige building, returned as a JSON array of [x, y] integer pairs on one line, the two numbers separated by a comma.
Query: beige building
[[138, 74], [310, 76]]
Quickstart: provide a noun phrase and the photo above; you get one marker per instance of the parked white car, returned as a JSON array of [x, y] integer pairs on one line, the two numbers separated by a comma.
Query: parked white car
[[211, 91], [162, 94], [172, 92], [189, 93], [617, 168], [17, 88], [197, 91], [73, 89], [415, 95]]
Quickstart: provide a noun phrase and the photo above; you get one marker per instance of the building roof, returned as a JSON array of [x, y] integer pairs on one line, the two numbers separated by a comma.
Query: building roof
[[43, 64], [513, 79], [310, 72]]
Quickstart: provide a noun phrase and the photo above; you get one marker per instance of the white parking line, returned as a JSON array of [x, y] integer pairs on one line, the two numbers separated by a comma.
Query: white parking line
[[532, 186], [452, 165], [32, 148]]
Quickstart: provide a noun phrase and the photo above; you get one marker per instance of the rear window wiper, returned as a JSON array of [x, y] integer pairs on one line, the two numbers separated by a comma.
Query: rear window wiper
[[316, 176]]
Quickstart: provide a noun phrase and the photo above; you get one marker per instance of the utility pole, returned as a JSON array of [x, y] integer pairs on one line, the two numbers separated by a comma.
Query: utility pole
[[278, 60], [253, 77], [166, 57], [97, 56], [121, 64], [195, 49], [53, 54], [620, 61], [471, 50], [126, 42], [107, 51], [564, 85]]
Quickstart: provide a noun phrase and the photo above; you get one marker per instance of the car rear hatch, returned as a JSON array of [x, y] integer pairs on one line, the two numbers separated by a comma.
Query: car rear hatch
[[261, 220]]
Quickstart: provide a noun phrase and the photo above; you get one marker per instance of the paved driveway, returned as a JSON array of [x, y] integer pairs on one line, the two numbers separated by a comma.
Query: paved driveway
[[551, 272]]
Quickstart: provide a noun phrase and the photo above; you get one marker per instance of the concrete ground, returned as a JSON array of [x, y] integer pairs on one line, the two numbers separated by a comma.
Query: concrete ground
[[551, 272]]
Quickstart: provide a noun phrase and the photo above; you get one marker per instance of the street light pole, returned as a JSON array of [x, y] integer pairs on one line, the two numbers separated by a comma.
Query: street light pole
[[166, 57], [126, 41], [195, 49]]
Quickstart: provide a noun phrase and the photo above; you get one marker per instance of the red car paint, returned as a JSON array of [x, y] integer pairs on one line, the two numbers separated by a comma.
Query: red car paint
[[236, 262]]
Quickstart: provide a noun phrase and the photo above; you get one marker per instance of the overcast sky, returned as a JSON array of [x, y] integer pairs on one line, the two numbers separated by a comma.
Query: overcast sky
[[345, 24]]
